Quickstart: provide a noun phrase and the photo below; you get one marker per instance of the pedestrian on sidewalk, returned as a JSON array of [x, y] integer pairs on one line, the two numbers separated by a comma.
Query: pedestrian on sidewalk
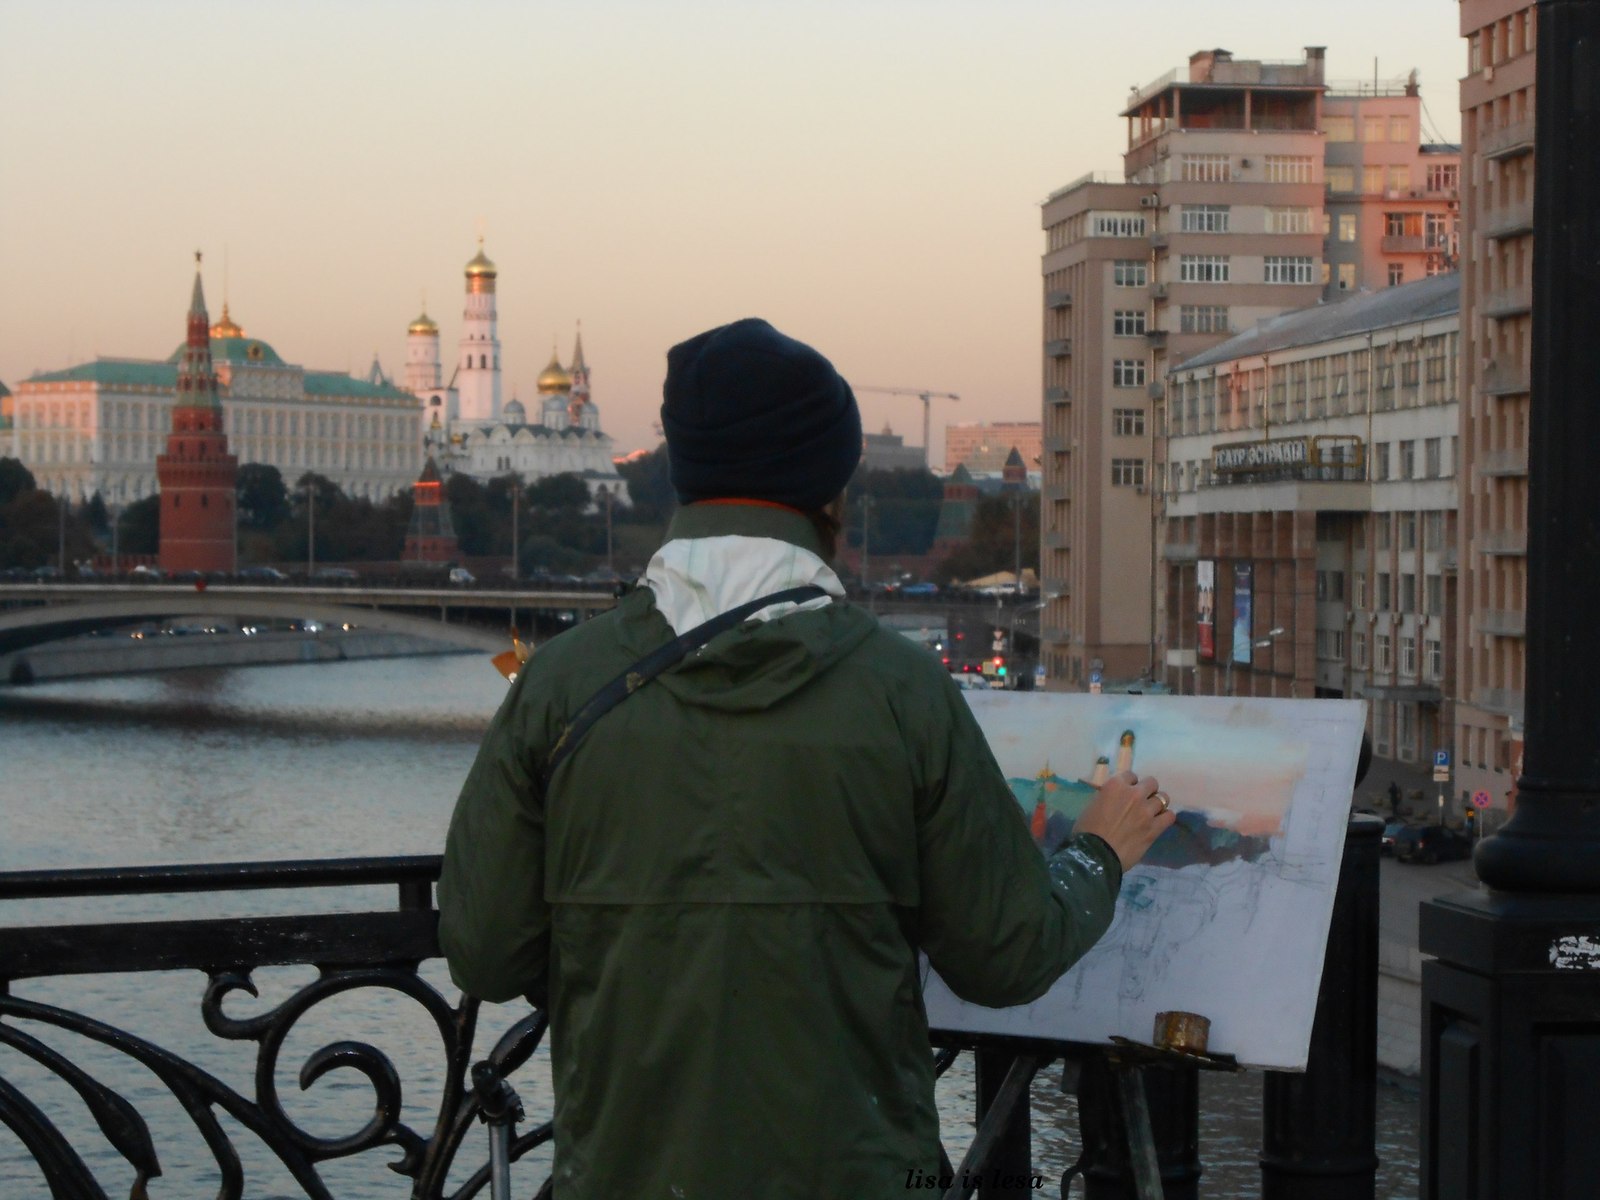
[[1394, 799], [721, 892]]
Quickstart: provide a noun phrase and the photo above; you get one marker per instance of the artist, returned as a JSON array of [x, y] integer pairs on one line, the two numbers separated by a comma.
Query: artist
[[720, 894]]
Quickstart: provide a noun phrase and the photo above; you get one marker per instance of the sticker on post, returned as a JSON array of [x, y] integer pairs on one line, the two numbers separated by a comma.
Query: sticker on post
[[1576, 952]]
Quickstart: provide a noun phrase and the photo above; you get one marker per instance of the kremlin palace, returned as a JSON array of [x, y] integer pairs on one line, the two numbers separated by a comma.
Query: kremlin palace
[[99, 426]]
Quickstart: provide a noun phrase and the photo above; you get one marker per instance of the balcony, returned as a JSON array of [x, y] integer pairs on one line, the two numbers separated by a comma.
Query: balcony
[[1505, 702], [1055, 539], [1502, 622], [1503, 378], [1158, 292], [1158, 241], [1056, 395], [1509, 141], [1508, 302], [1181, 552], [1513, 220], [1501, 463], [1058, 347], [1403, 693], [1155, 390], [1058, 299], [1411, 243], [1156, 337], [1502, 542], [1058, 634]]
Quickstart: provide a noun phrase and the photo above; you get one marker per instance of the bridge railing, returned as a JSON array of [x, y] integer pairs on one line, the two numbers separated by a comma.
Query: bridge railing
[[384, 950]]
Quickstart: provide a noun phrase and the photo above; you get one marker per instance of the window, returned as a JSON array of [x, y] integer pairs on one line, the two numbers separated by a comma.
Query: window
[[1399, 129], [1202, 318], [1330, 585], [1399, 177], [1432, 461], [1127, 472], [1408, 655], [1118, 225], [1372, 129], [1433, 595], [1383, 529], [1203, 268], [1406, 731], [1341, 179], [1130, 272], [1380, 599], [1284, 268], [1358, 589], [1408, 593], [1433, 663], [1397, 274], [1382, 653], [1408, 531], [1207, 168], [1289, 220], [1127, 372], [1408, 460], [1380, 462], [1204, 218], [1474, 53], [1330, 644], [1127, 422], [1358, 650], [1347, 277], [1289, 168], [1347, 227], [1443, 177], [1371, 179], [1126, 322], [1432, 530], [1339, 129]]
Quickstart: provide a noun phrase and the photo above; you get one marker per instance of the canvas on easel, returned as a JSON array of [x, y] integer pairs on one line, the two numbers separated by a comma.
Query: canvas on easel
[[1228, 914]]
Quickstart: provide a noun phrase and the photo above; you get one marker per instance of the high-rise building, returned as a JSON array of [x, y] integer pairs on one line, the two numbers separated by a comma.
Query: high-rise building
[[1497, 120], [196, 475], [983, 446], [1220, 219]]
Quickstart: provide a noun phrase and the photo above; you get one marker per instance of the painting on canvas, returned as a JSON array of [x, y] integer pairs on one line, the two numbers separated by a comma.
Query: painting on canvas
[[1228, 914]]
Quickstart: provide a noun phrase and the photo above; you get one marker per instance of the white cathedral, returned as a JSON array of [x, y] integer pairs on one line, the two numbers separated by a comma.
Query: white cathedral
[[466, 428]]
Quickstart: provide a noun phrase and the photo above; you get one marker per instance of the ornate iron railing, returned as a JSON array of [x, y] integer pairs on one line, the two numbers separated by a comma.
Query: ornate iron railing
[[359, 951]]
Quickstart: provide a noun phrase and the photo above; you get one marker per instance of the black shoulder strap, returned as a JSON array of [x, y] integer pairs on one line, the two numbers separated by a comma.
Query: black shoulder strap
[[652, 664]]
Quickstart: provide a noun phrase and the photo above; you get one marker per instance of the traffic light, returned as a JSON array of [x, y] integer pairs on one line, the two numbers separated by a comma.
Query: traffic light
[[999, 666]]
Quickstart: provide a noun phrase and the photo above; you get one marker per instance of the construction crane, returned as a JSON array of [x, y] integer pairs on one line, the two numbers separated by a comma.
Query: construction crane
[[927, 399]]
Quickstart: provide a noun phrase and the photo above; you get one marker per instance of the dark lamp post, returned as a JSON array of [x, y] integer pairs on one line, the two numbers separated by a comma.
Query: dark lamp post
[[1511, 976]]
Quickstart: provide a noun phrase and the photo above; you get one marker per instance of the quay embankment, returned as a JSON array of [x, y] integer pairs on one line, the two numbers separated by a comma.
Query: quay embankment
[[119, 653]]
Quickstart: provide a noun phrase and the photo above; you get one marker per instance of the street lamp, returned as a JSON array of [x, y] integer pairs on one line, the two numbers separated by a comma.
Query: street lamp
[[311, 524], [1258, 644]]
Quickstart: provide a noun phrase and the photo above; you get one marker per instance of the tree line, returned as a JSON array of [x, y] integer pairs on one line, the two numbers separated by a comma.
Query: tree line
[[558, 527]]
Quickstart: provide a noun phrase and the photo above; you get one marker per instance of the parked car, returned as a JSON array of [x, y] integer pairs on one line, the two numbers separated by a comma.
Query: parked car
[[1431, 844], [146, 574], [462, 576], [1391, 830], [335, 575], [261, 575], [46, 572], [920, 589]]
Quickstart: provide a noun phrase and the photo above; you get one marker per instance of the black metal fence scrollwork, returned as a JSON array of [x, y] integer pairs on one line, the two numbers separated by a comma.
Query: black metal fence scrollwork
[[353, 952]]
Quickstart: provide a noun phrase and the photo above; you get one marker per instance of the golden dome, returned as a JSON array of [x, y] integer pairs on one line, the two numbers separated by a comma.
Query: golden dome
[[554, 377], [226, 328], [423, 324], [480, 266]]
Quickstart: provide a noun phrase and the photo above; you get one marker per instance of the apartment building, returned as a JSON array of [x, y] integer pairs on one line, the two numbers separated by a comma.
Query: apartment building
[[1497, 121], [1220, 218], [1310, 497]]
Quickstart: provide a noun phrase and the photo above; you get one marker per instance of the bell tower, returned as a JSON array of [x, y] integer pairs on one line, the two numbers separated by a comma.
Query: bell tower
[[478, 357], [197, 475]]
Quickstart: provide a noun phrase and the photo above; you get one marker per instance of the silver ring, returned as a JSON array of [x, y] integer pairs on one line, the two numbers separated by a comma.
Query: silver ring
[[1166, 800]]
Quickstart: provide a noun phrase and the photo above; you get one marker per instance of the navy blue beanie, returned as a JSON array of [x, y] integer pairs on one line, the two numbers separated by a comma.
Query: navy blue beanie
[[752, 414]]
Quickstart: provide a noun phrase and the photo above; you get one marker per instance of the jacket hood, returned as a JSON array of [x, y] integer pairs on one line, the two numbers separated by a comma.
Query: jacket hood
[[755, 665]]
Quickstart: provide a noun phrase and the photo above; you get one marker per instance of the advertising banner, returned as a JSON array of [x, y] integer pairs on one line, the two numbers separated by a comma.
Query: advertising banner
[[1243, 593], [1205, 576]]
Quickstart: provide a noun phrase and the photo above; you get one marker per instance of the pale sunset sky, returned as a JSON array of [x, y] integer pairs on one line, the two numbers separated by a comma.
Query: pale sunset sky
[[865, 175]]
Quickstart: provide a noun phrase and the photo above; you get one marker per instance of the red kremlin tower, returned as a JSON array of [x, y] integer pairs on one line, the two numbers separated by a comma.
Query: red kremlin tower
[[197, 475], [431, 538]]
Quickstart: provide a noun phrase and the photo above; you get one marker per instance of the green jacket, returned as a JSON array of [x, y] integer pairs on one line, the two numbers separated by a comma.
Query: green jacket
[[722, 897]]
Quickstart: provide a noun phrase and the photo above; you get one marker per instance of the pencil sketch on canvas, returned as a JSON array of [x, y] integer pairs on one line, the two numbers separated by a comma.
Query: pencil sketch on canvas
[[1228, 914]]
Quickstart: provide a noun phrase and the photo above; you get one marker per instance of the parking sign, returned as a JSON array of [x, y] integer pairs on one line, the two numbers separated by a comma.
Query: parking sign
[[1441, 758]]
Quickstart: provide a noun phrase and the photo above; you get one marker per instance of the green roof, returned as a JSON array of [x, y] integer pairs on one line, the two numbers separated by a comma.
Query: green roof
[[331, 383], [238, 350], [127, 372]]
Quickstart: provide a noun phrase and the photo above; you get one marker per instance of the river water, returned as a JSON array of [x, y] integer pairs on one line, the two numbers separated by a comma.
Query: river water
[[335, 760]]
